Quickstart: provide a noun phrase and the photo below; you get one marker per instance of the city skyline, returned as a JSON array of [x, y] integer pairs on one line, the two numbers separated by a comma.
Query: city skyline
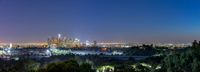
[[100, 20]]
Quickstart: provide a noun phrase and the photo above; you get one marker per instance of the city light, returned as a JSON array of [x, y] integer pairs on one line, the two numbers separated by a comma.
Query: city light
[[59, 36]]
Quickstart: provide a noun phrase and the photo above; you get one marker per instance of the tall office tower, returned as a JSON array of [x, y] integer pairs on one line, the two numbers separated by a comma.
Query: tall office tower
[[59, 36], [95, 44]]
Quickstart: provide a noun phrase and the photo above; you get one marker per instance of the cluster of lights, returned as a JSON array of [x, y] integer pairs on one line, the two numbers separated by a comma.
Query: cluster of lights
[[106, 68]]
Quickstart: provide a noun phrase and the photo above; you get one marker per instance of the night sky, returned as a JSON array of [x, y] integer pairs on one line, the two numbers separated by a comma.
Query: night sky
[[101, 20]]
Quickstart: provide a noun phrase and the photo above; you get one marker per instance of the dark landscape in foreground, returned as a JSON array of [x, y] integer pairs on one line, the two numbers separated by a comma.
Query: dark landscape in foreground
[[133, 59]]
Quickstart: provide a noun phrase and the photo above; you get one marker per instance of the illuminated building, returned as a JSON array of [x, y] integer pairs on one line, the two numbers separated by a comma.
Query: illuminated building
[[59, 42], [87, 43], [59, 36]]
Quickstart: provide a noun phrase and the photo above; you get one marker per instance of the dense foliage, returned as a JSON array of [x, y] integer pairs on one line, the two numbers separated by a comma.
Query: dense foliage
[[19, 66], [186, 60], [67, 66]]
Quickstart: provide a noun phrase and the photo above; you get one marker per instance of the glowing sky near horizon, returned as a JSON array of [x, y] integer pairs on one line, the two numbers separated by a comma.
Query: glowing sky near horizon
[[101, 20]]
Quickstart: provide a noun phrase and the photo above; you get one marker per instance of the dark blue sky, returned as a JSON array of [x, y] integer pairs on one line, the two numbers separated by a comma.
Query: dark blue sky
[[126, 20]]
